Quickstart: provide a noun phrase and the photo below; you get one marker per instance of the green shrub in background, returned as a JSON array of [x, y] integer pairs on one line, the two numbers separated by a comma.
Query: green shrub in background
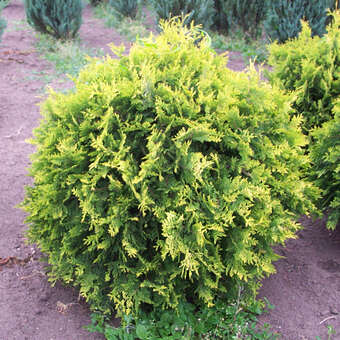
[[4, 3], [325, 154], [125, 8], [200, 11], [310, 66], [246, 14], [165, 177], [96, 2], [3, 23], [222, 19], [59, 18], [284, 17]]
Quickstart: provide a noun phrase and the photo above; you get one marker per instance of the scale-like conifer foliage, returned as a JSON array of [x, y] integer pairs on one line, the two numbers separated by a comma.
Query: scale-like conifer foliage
[[59, 18], [165, 177], [310, 66], [325, 154]]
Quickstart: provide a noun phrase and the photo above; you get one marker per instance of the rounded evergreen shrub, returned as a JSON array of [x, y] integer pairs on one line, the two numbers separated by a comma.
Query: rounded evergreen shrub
[[165, 177], [59, 18], [309, 66], [325, 154]]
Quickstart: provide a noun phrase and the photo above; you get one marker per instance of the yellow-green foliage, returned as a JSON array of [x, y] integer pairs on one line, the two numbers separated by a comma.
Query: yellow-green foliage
[[311, 67], [325, 154], [165, 177]]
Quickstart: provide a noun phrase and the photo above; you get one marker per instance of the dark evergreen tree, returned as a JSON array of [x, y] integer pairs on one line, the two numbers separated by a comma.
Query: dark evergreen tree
[[246, 14], [125, 8], [202, 12], [59, 18], [284, 17], [335, 5], [222, 19], [95, 2]]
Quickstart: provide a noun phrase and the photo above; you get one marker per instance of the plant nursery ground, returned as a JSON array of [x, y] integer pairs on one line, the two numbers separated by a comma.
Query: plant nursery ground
[[305, 291]]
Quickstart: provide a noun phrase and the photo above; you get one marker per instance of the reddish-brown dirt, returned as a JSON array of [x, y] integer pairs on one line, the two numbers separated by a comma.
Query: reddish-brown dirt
[[305, 290]]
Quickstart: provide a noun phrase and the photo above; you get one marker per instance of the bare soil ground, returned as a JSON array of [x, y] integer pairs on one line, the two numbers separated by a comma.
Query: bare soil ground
[[305, 290]]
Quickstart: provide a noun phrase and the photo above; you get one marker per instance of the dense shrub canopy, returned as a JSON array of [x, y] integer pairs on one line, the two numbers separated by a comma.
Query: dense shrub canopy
[[325, 154], [165, 176], [59, 18], [310, 66]]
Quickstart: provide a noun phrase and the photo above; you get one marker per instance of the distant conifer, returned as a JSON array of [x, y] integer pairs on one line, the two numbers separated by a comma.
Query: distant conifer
[[59, 18], [284, 17]]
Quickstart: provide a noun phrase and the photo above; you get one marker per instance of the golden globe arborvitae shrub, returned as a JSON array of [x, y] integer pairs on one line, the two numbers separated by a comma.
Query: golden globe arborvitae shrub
[[325, 154], [164, 176], [310, 66]]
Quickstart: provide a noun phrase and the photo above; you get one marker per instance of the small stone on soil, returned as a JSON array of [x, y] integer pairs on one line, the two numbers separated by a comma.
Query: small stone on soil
[[333, 310]]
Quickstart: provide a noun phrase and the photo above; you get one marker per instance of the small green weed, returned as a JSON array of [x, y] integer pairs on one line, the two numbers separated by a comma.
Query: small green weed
[[330, 331], [69, 57], [221, 322], [255, 50], [19, 25]]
